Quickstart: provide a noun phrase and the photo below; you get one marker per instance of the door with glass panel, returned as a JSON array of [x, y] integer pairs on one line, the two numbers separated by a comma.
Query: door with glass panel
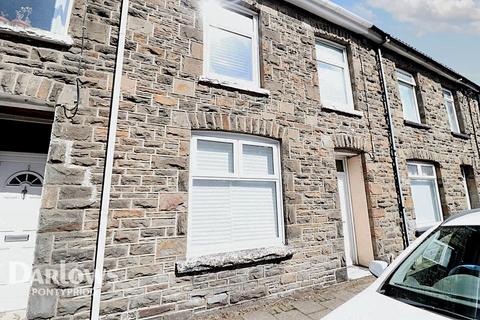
[[346, 211], [425, 194], [21, 181]]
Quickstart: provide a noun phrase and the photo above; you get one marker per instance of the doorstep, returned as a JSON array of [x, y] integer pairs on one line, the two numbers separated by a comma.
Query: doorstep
[[357, 272]]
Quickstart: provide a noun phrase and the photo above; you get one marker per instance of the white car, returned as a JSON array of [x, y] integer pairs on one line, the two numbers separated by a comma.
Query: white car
[[436, 277]]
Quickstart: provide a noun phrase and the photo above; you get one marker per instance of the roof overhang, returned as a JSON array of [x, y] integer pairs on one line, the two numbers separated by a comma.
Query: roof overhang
[[348, 20]]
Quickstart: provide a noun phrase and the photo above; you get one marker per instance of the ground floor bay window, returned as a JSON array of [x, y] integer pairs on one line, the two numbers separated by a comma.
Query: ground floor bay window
[[235, 194], [425, 194]]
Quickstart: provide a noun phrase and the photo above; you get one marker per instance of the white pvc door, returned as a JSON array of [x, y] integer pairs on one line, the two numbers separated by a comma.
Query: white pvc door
[[346, 210], [21, 180]]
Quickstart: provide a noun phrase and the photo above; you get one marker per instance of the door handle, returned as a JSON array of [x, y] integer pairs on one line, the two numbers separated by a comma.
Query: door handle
[[17, 238]]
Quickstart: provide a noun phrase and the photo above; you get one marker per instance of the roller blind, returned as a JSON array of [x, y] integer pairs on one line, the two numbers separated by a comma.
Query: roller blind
[[231, 41], [230, 54], [257, 160], [230, 215], [214, 157]]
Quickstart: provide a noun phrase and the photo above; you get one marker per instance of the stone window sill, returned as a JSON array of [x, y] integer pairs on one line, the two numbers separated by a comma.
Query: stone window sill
[[461, 135], [232, 259], [231, 85], [37, 35], [416, 125], [354, 113]]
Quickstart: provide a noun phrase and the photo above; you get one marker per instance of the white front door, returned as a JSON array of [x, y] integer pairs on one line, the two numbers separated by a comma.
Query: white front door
[[21, 180], [346, 210]]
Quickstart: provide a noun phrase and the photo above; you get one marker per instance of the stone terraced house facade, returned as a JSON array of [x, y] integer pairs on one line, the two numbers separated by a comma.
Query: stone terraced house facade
[[251, 157]]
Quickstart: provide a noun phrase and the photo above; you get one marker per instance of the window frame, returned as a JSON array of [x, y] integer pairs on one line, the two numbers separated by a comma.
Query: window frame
[[46, 35], [413, 85], [349, 106], [433, 177], [455, 116], [209, 74], [238, 140]]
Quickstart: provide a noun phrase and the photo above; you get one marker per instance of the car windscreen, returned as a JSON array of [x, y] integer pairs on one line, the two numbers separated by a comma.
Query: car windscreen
[[442, 274]]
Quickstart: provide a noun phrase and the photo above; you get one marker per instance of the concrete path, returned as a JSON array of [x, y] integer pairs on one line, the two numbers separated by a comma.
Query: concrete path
[[310, 304]]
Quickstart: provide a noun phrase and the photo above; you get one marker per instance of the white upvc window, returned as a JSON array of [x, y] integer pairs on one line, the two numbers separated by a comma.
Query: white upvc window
[[426, 199], [231, 51], [48, 15], [408, 95], [235, 197], [334, 76], [452, 113]]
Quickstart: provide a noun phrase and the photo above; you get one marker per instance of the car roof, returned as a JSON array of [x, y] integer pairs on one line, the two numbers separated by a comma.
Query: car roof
[[464, 218]]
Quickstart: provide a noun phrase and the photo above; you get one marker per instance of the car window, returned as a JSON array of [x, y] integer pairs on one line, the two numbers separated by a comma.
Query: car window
[[442, 274]]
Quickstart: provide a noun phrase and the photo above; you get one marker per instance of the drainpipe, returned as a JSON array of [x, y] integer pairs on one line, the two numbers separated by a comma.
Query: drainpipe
[[108, 168], [393, 150]]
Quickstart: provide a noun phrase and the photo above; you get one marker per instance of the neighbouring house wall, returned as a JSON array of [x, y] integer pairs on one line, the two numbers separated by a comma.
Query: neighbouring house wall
[[44, 74], [162, 102], [434, 143]]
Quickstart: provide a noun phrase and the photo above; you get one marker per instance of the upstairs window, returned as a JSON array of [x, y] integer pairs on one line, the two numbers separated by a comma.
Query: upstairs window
[[408, 95], [451, 111], [48, 15], [425, 194], [231, 45], [235, 194], [334, 76]]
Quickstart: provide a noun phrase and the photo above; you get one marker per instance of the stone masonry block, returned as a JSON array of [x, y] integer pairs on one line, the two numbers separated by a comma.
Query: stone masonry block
[[183, 87]]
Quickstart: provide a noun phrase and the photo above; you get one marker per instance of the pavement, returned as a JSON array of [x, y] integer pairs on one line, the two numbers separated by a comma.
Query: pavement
[[308, 304]]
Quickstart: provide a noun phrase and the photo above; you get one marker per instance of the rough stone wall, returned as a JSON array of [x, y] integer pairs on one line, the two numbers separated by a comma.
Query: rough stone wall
[[162, 102], [165, 101], [44, 74]]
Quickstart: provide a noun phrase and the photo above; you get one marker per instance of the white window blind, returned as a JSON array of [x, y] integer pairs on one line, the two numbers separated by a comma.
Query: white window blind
[[334, 76], [426, 200], [408, 96], [214, 156], [451, 112], [238, 209], [231, 45], [257, 160]]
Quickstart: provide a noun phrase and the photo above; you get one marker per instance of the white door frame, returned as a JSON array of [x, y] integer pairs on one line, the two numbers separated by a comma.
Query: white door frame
[[348, 206]]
